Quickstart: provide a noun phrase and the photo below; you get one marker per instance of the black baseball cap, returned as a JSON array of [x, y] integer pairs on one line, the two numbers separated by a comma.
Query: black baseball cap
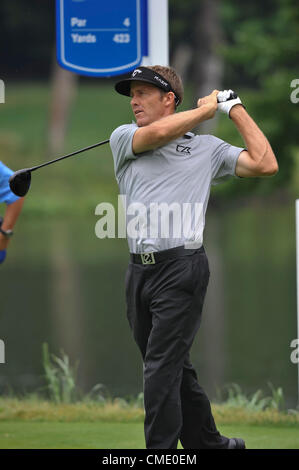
[[144, 74]]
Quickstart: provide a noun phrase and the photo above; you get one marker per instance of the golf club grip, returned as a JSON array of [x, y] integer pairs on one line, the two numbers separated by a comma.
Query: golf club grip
[[69, 155], [233, 96]]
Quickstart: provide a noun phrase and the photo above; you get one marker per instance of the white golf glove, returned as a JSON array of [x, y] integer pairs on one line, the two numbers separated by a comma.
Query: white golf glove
[[226, 101]]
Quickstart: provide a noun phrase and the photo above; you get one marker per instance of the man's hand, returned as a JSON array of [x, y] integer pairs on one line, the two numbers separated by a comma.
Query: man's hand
[[224, 103], [2, 256], [210, 102]]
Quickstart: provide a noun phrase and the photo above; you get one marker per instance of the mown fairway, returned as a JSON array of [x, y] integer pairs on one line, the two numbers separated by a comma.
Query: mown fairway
[[55, 435]]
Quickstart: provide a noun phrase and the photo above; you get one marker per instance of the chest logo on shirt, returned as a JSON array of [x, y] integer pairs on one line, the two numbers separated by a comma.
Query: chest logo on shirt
[[183, 149]]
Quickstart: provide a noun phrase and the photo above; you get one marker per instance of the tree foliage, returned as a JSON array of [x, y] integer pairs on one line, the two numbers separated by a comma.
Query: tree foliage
[[261, 54], [260, 50], [27, 37]]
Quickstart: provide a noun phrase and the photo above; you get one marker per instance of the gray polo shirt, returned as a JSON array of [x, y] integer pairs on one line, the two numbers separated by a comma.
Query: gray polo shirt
[[166, 190]]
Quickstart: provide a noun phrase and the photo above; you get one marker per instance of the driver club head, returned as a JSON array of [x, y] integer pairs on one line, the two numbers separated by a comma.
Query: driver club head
[[20, 181]]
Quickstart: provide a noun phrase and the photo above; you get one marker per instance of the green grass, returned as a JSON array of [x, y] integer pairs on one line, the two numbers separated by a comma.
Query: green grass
[[32, 423], [55, 435], [118, 410], [99, 421], [28, 435]]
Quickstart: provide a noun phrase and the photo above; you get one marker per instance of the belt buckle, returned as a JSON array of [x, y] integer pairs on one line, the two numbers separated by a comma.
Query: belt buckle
[[148, 258]]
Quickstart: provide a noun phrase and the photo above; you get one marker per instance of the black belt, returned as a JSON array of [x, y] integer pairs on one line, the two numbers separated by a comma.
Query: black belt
[[154, 257]]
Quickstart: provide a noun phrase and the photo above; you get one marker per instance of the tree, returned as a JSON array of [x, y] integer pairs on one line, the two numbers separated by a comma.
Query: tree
[[261, 57], [27, 33], [64, 86], [259, 48]]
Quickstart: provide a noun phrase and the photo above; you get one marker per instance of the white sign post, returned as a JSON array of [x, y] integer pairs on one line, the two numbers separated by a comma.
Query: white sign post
[[158, 42]]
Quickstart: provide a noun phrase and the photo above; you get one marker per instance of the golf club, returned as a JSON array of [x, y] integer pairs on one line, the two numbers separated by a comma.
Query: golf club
[[20, 181]]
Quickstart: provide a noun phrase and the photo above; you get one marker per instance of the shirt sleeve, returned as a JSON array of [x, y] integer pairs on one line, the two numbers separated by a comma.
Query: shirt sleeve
[[121, 146], [223, 160], [6, 195]]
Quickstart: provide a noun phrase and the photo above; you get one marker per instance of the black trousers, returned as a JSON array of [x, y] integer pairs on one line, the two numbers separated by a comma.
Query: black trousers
[[164, 307]]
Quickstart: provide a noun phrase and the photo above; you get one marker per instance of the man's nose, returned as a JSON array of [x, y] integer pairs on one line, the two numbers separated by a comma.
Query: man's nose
[[134, 101]]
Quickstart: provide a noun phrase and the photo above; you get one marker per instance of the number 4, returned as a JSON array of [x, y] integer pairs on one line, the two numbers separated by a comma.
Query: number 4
[[127, 22]]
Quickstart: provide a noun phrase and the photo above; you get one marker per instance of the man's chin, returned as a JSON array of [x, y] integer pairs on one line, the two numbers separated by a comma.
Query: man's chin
[[141, 122]]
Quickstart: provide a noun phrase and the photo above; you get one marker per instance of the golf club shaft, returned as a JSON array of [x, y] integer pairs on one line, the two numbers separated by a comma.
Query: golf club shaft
[[82, 150], [233, 95], [69, 155]]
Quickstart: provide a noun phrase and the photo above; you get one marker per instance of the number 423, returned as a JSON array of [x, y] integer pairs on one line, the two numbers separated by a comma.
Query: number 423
[[123, 38]]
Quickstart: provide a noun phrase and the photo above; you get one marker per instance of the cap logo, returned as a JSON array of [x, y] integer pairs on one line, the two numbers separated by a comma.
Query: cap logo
[[161, 81], [147, 75], [135, 72]]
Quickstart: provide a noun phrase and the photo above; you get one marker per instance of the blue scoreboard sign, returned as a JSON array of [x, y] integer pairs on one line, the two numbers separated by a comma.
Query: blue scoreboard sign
[[101, 37]]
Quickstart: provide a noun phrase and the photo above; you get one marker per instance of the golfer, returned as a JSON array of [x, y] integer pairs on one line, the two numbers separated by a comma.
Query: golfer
[[157, 160], [13, 208]]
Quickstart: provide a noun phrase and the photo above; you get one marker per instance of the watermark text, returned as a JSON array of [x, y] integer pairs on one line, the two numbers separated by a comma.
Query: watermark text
[[295, 354], [2, 352], [154, 220], [2, 92], [294, 97]]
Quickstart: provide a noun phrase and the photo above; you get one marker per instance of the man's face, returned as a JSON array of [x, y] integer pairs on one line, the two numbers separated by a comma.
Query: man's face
[[147, 103]]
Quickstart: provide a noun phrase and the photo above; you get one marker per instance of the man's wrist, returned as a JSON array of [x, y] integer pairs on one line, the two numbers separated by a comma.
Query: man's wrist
[[207, 111], [6, 233], [237, 110]]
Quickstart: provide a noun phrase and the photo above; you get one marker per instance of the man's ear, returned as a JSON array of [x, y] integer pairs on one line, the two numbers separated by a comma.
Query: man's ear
[[170, 99]]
